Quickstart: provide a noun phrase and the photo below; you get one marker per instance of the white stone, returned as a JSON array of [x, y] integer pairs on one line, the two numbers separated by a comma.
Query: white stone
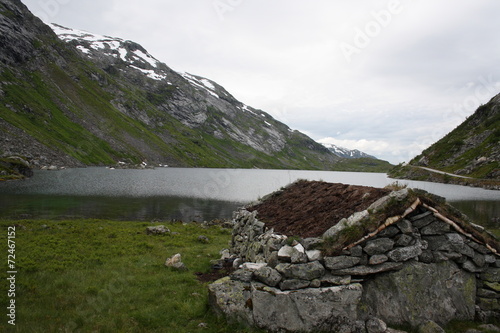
[[253, 266], [314, 255]]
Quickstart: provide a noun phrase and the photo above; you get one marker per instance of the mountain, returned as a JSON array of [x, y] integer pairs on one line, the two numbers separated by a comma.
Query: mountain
[[471, 151], [346, 153], [84, 99]]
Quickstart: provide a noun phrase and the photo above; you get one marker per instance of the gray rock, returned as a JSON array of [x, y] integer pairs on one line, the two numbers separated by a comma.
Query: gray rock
[[267, 275], [232, 299], [488, 304], [469, 266], [368, 270], [377, 259], [353, 220], [203, 239], [243, 275], [489, 327], [390, 232], [490, 259], [479, 260], [335, 280], [314, 255], [299, 254], [404, 240], [309, 271], [420, 292], [175, 262], [491, 275], [293, 254], [356, 251], [421, 216], [294, 284], [437, 243], [375, 325], [426, 257], [401, 254], [285, 253], [405, 226], [340, 262], [330, 309], [312, 243], [435, 228], [378, 246], [430, 327], [478, 247], [157, 230], [487, 293]]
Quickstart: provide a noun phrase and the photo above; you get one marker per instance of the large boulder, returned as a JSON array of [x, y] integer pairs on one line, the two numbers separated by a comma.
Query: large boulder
[[332, 309], [232, 299], [421, 292]]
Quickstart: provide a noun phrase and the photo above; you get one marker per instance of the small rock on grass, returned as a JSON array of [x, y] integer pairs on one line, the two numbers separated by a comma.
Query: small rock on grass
[[176, 262], [157, 230]]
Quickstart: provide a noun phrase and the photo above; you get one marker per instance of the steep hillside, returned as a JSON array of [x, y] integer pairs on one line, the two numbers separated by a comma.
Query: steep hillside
[[471, 150], [97, 100]]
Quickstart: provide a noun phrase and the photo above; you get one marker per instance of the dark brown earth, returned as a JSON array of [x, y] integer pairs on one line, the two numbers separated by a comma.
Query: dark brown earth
[[309, 208]]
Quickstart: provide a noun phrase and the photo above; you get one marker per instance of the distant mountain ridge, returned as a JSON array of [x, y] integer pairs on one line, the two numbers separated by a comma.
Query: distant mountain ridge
[[347, 153], [85, 99]]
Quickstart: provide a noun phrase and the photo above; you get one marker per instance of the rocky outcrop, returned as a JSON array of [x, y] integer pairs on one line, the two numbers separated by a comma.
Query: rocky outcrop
[[411, 269], [14, 167], [85, 99]]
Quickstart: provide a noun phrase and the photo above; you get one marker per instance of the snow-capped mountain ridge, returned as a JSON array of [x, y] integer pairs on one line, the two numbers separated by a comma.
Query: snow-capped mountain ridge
[[347, 153]]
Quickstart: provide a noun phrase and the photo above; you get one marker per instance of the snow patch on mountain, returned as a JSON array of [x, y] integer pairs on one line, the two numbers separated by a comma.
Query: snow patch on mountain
[[345, 152], [112, 46]]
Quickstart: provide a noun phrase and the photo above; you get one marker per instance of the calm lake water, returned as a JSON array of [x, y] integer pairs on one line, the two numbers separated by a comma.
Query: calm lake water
[[192, 194]]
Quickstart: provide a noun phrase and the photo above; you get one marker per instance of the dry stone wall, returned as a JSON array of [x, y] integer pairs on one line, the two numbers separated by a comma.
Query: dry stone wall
[[417, 269]]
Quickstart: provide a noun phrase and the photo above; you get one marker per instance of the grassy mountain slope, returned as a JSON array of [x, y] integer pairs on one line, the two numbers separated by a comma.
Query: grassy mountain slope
[[471, 150], [60, 106]]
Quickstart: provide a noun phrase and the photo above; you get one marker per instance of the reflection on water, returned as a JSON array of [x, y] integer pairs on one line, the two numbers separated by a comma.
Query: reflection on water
[[191, 194], [115, 208]]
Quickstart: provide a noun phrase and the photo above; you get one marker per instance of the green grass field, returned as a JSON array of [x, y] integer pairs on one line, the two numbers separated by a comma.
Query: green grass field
[[107, 276]]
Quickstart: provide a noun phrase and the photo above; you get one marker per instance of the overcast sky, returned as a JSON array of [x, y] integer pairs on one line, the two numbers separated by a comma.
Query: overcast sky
[[386, 77]]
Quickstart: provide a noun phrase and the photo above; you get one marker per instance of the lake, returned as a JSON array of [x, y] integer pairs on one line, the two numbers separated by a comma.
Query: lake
[[192, 194]]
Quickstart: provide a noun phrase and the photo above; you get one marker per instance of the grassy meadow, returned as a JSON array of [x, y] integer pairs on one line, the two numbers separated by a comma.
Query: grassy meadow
[[109, 276]]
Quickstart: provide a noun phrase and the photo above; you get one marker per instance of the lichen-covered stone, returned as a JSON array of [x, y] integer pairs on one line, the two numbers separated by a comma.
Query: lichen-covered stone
[[314, 255], [340, 262], [375, 325], [294, 284], [332, 309], [430, 327], [378, 246], [232, 299], [491, 275], [377, 259], [368, 270], [308, 271], [405, 226], [268, 275], [418, 292], [401, 254]]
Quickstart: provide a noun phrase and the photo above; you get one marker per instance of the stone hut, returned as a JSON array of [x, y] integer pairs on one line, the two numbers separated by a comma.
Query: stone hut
[[316, 256]]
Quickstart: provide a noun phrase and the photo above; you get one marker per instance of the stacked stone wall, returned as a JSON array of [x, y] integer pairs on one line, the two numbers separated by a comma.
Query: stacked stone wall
[[467, 286]]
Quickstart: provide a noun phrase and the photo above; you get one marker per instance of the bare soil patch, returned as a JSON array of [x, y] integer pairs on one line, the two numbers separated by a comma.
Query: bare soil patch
[[309, 208]]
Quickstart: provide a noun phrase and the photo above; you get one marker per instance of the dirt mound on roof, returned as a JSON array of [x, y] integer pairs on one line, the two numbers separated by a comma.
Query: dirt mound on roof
[[309, 208]]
